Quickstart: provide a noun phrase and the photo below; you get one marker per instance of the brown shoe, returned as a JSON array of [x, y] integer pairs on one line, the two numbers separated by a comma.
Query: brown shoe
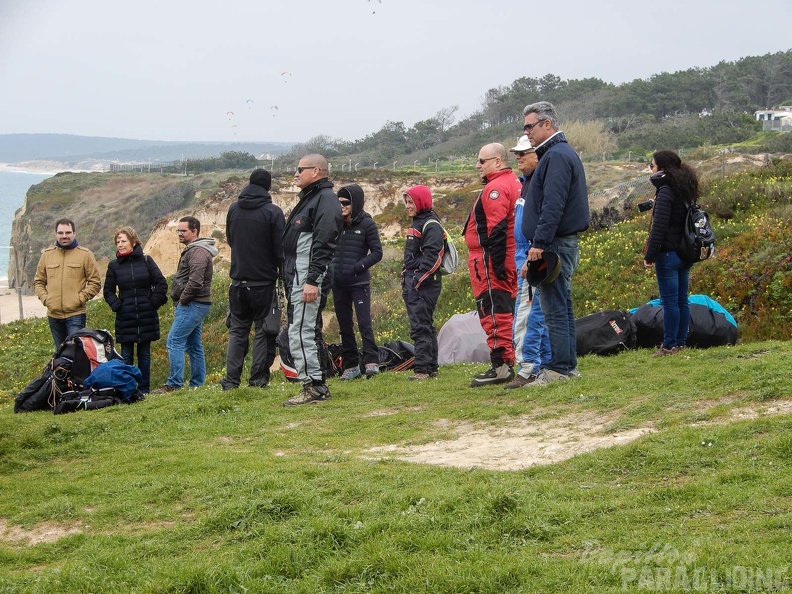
[[166, 389], [310, 394], [662, 352], [520, 381]]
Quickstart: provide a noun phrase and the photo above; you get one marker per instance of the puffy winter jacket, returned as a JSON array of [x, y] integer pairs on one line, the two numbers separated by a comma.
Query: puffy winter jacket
[[135, 289], [359, 246], [668, 219]]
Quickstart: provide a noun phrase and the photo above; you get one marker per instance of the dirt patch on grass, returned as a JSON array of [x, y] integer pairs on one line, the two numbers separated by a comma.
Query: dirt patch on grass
[[516, 444], [526, 442], [43, 532], [780, 407]]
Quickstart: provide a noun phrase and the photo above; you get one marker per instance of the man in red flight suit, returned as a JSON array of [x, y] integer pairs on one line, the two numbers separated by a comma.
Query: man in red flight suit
[[489, 235]]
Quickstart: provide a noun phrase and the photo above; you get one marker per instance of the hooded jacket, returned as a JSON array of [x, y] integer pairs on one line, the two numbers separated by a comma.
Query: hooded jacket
[[135, 288], [425, 244], [310, 235], [557, 202], [66, 279], [193, 278], [359, 246], [254, 230], [668, 219]]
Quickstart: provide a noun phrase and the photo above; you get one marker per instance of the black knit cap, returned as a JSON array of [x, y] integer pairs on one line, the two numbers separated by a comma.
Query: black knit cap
[[261, 177]]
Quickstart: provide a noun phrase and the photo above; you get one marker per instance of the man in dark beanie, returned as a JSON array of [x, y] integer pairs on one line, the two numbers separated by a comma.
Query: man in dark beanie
[[254, 227]]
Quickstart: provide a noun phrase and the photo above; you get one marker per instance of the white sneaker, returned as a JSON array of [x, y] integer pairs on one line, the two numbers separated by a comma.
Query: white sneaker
[[548, 376]]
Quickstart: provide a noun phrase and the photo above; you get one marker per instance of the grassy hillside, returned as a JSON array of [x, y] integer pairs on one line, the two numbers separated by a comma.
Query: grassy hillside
[[386, 488]]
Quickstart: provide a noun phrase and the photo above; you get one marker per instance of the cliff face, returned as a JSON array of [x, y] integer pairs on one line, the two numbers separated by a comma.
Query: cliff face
[[101, 203]]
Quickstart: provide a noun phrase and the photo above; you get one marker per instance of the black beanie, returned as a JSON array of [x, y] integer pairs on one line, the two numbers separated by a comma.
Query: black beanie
[[261, 177]]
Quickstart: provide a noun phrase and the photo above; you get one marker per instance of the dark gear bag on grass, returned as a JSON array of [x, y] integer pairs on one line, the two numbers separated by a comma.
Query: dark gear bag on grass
[[605, 333], [396, 356], [90, 399], [36, 395]]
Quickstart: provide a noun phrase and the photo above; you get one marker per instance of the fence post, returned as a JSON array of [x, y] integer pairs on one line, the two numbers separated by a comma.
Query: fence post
[[19, 298]]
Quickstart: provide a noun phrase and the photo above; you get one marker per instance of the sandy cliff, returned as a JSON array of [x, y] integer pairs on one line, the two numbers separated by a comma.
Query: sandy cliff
[[164, 246]]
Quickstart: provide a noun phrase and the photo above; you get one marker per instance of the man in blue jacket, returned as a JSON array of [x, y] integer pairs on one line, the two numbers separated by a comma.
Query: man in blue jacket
[[309, 242], [556, 210], [531, 340]]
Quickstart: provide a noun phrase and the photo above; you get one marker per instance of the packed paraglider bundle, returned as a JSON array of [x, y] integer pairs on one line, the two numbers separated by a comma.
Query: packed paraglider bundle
[[397, 355], [85, 373]]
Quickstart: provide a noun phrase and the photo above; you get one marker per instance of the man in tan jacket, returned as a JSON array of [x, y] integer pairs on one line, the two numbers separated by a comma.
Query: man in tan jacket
[[66, 279]]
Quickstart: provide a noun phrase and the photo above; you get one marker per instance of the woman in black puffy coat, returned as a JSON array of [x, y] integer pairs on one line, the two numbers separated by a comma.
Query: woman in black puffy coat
[[135, 289], [677, 185], [359, 248]]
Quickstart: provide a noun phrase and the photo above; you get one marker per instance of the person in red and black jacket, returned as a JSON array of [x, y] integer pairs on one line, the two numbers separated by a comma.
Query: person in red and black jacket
[[489, 235], [421, 284]]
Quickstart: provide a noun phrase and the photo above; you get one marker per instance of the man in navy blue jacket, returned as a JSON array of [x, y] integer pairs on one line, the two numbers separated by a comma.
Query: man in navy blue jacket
[[556, 210]]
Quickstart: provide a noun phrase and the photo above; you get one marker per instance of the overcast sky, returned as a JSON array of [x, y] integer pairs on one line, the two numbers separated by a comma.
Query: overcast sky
[[174, 69]]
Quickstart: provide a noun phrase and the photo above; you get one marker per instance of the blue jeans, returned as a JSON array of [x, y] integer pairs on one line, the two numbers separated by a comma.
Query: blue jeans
[[531, 339], [62, 328], [144, 361], [185, 335], [673, 281], [556, 300]]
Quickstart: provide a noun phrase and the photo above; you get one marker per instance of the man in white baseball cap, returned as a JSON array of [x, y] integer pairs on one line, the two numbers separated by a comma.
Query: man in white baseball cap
[[531, 340]]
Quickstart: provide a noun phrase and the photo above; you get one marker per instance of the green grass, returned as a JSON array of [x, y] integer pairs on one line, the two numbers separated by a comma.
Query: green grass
[[205, 491]]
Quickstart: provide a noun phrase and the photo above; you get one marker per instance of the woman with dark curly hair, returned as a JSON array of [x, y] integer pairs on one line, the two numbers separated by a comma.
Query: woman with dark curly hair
[[677, 185]]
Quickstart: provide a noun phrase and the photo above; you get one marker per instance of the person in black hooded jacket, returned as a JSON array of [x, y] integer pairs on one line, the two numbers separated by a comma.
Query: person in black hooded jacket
[[358, 249], [254, 230], [135, 289]]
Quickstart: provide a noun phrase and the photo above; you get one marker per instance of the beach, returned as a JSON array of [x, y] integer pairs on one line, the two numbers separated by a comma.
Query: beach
[[40, 167], [9, 306]]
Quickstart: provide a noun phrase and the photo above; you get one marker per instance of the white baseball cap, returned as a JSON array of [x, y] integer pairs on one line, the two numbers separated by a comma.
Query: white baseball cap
[[524, 144]]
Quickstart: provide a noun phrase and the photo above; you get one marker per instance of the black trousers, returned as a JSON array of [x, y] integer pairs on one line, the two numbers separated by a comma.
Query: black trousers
[[344, 299], [421, 304], [249, 306]]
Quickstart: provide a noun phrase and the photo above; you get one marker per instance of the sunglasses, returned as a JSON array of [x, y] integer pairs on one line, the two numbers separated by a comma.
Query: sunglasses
[[301, 169], [482, 161], [345, 202], [521, 153], [529, 127]]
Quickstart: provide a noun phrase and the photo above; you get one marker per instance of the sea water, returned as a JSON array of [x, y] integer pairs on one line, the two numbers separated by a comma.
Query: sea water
[[13, 187]]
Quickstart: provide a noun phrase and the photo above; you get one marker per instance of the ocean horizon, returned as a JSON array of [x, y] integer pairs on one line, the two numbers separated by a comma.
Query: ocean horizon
[[13, 188]]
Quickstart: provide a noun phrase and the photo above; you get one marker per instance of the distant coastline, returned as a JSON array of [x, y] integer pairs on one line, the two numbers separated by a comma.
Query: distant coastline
[[46, 168]]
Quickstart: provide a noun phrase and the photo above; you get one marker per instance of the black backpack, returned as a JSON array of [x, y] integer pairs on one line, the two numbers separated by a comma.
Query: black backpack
[[698, 237], [396, 356], [605, 333]]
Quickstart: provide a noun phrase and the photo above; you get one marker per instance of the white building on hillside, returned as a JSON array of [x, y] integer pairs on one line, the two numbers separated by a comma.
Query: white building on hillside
[[779, 119]]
